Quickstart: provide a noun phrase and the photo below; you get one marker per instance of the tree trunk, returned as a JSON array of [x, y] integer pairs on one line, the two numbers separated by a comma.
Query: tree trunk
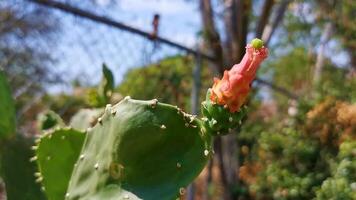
[[270, 28], [320, 57], [263, 20]]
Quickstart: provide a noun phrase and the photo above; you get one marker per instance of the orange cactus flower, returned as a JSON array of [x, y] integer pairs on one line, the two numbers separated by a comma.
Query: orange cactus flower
[[232, 90]]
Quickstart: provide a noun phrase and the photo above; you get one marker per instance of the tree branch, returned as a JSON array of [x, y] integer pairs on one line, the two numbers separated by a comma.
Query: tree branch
[[211, 36], [269, 29], [263, 19]]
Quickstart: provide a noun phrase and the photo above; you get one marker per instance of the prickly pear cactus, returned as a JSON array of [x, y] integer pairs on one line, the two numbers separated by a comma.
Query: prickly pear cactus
[[7, 109], [218, 119], [85, 118], [140, 150], [48, 120], [146, 149], [56, 153], [18, 171]]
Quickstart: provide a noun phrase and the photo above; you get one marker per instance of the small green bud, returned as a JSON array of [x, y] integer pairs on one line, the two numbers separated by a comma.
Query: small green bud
[[257, 43]]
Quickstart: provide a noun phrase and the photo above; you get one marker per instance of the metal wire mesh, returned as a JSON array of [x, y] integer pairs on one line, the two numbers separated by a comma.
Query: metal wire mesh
[[78, 47]]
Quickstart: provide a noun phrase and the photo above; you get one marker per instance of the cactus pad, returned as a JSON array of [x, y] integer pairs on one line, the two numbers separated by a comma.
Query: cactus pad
[[49, 119], [56, 153], [140, 150], [18, 171], [7, 109], [85, 118]]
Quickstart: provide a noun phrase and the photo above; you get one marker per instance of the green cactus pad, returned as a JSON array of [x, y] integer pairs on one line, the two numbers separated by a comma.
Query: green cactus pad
[[56, 153], [49, 119], [18, 171], [7, 109], [140, 150], [85, 118], [220, 120]]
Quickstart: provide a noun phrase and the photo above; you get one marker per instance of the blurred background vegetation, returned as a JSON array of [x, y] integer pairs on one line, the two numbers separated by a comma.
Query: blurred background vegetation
[[296, 144]]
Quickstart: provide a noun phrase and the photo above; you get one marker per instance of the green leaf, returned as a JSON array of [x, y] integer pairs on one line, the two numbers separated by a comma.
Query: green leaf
[[7, 109], [57, 152], [106, 86]]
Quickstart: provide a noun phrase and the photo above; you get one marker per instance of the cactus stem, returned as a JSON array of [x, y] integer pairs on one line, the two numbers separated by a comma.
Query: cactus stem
[[163, 126]]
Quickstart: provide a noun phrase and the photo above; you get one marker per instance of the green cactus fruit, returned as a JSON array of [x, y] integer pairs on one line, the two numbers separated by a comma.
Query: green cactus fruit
[[49, 119], [7, 109], [219, 119], [18, 171], [56, 153], [257, 43], [85, 118], [140, 150]]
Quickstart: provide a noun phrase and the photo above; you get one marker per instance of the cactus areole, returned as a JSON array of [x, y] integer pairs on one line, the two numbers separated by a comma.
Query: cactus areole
[[150, 150]]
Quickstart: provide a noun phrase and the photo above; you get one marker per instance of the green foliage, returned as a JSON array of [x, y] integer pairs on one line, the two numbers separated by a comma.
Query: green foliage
[[140, 150], [85, 118], [170, 80], [49, 119], [56, 152], [18, 172], [7, 109], [342, 184], [101, 96]]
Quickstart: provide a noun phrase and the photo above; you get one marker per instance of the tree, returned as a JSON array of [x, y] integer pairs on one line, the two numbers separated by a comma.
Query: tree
[[237, 18]]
